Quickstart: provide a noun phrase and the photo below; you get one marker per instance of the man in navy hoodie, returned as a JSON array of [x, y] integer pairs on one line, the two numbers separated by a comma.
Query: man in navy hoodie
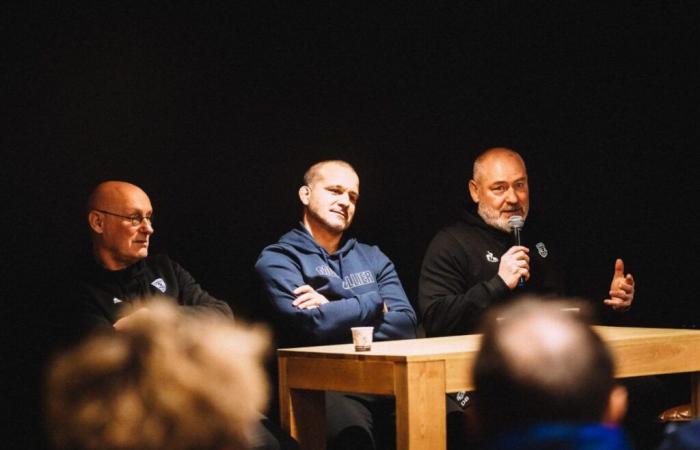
[[320, 285]]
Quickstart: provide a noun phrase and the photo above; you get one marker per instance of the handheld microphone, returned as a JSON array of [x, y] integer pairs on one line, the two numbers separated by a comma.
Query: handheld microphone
[[516, 225]]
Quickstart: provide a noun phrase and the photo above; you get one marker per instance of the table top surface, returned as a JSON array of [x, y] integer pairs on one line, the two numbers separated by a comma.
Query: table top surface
[[457, 346]]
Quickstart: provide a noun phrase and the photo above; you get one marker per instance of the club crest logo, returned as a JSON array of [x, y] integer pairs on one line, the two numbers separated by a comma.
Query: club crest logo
[[490, 258], [159, 284], [462, 398], [541, 249]]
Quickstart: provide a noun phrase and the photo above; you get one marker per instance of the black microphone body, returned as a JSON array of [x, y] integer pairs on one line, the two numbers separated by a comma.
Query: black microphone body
[[516, 225]]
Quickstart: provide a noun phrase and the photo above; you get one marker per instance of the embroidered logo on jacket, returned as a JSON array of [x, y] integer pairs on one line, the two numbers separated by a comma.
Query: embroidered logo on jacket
[[357, 279], [462, 398], [490, 258], [159, 284], [541, 249]]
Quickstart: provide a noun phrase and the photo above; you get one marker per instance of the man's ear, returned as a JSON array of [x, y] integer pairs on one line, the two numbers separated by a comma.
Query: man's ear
[[474, 191], [304, 193], [617, 406], [96, 222]]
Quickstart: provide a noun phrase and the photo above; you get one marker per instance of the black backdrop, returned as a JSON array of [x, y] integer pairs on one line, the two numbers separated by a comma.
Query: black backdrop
[[216, 111]]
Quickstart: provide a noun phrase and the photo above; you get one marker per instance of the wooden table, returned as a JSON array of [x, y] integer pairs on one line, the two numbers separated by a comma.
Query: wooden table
[[419, 372]]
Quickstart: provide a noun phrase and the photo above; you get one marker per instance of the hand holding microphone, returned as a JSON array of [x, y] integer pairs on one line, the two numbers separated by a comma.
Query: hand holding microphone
[[514, 267]]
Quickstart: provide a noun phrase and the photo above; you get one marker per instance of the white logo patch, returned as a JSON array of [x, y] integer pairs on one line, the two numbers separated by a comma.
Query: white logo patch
[[159, 284], [462, 398], [490, 258], [116, 300], [541, 249]]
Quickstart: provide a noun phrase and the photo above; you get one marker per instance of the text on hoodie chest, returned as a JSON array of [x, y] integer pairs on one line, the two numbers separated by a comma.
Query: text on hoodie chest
[[349, 281]]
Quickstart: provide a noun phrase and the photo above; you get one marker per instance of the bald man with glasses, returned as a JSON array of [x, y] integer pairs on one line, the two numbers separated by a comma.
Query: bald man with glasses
[[121, 271]]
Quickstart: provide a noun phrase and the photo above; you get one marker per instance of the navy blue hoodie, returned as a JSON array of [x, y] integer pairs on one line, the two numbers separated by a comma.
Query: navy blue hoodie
[[357, 280]]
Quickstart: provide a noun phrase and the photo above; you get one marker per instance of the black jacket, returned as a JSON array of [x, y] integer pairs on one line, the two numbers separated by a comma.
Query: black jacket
[[102, 294], [459, 277]]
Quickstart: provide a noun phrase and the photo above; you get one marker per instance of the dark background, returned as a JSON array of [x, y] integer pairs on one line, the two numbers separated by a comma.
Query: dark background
[[216, 110]]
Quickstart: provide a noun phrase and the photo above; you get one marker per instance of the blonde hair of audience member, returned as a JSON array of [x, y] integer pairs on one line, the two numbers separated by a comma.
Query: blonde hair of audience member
[[170, 380], [539, 363]]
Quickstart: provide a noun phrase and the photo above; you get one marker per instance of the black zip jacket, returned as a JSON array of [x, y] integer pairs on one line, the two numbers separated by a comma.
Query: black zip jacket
[[459, 277], [103, 294]]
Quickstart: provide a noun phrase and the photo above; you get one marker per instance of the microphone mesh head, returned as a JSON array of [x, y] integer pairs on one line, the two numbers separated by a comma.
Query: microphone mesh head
[[516, 222]]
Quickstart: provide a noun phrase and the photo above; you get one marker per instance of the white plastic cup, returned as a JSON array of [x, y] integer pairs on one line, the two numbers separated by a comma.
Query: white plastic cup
[[362, 338]]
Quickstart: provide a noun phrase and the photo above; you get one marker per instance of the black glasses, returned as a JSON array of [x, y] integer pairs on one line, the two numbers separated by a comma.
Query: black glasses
[[135, 220]]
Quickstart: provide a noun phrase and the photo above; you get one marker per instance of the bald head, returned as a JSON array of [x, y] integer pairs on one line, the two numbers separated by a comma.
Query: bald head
[[548, 365], [491, 156], [120, 219], [557, 346], [113, 194], [314, 172]]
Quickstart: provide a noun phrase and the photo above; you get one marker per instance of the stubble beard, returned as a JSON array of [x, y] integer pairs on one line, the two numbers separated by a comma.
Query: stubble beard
[[330, 226], [494, 218]]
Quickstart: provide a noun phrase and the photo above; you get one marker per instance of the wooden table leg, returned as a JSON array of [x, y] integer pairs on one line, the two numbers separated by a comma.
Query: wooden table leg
[[420, 405], [302, 412], [308, 419], [695, 395]]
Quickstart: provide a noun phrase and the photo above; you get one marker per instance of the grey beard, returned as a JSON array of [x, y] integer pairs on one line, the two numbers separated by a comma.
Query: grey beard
[[493, 217]]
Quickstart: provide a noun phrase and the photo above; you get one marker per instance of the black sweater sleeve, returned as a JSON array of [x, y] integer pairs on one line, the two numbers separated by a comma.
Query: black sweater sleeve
[[193, 296], [450, 301]]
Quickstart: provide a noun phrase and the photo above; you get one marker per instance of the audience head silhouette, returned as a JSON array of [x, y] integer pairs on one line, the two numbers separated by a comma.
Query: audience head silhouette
[[170, 380], [539, 363]]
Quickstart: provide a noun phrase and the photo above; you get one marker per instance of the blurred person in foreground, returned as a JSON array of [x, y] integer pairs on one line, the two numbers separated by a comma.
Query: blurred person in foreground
[[545, 380], [167, 380]]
